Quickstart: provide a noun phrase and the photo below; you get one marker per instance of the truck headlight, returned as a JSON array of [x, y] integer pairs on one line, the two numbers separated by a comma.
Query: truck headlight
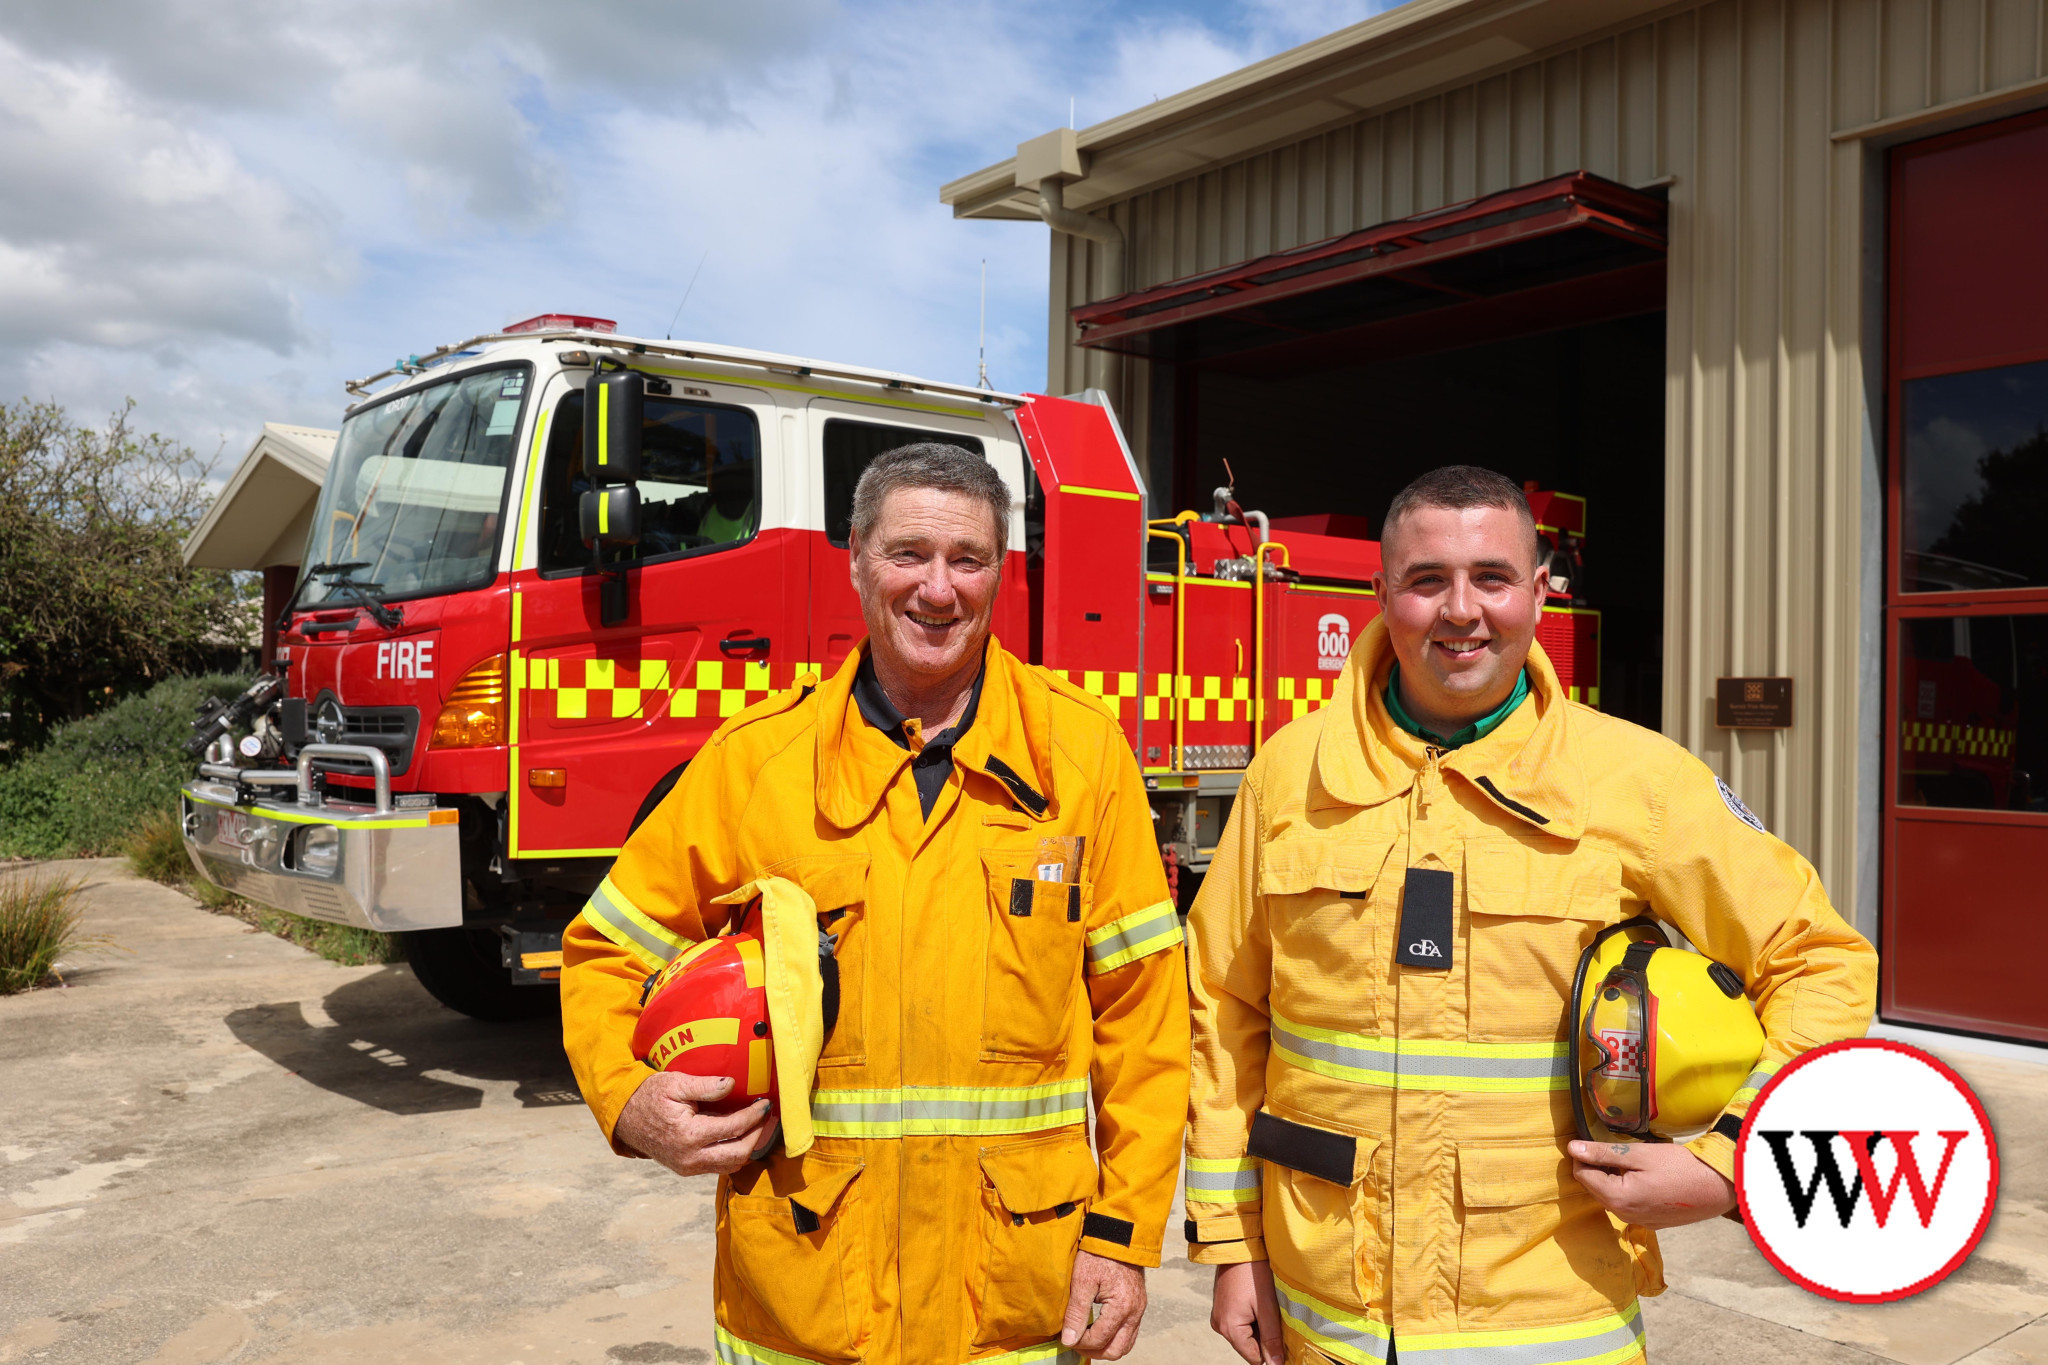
[[319, 850]]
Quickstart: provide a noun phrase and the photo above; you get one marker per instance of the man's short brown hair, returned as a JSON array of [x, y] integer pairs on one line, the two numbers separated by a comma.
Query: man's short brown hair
[[1458, 487], [932, 464]]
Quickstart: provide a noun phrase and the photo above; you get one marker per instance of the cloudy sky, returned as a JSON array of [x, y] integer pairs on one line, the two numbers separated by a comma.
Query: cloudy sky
[[223, 208]]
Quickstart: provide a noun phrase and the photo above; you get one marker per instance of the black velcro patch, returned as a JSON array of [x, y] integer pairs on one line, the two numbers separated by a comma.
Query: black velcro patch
[[1020, 898], [1073, 903], [1729, 1126], [1103, 1228], [1019, 788], [806, 1221], [1298, 1147], [1426, 919]]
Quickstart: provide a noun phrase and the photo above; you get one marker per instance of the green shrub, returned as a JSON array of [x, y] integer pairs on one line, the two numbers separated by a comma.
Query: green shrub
[[39, 923], [82, 793]]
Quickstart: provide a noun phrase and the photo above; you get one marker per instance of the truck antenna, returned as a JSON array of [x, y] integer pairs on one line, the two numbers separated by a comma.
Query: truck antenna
[[670, 334], [981, 381]]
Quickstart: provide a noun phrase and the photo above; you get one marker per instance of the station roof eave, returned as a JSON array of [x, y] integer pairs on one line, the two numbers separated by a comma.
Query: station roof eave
[[1566, 251], [270, 495], [1386, 60]]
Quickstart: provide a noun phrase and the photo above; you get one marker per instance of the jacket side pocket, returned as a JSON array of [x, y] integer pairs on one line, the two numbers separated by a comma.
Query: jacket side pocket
[[1534, 1248], [1315, 1208], [793, 1261], [1034, 1199]]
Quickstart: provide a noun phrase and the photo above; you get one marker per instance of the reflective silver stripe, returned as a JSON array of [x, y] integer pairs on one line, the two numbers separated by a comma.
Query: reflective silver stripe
[[1344, 1335], [1352, 1337], [1422, 1064], [939, 1110], [1136, 935], [1228, 1180], [625, 924]]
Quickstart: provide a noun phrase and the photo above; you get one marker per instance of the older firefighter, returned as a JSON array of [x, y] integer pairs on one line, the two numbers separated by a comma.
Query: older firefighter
[[973, 834], [1380, 1159]]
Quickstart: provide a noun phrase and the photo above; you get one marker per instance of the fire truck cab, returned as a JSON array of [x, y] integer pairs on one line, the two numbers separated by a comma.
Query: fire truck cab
[[478, 706]]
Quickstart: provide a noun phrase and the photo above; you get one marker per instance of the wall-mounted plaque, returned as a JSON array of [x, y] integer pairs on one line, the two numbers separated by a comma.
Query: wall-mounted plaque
[[1753, 703]]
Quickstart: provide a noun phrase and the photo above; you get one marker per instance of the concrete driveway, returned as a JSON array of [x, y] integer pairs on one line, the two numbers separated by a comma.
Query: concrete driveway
[[216, 1147]]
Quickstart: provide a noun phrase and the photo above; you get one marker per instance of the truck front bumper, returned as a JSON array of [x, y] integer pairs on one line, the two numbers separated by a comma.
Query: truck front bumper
[[392, 870]]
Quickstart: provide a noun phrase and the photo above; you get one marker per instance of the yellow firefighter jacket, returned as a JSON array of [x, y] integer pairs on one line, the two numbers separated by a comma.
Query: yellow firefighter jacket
[[992, 969], [1432, 1103]]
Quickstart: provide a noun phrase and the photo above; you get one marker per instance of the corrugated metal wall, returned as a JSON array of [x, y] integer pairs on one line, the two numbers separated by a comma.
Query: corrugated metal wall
[[1739, 104]]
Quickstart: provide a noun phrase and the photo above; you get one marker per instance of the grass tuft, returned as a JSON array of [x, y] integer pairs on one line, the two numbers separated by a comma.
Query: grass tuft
[[156, 850], [40, 920]]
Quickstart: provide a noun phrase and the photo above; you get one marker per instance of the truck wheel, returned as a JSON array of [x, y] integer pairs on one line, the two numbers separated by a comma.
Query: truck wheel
[[462, 968]]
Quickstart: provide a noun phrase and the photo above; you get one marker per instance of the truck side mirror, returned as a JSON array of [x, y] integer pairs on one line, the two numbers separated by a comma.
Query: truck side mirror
[[613, 407], [610, 516]]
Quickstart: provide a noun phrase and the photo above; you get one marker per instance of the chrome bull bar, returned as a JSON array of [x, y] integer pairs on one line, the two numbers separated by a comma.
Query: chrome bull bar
[[373, 866]]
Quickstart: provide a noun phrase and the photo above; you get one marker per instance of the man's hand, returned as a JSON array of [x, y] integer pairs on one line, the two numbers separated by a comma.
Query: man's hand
[[1120, 1289], [1653, 1184], [1245, 1312], [662, 1121]]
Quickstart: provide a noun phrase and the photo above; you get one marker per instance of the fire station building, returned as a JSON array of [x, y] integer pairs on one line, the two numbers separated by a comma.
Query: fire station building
[[1764, 281]]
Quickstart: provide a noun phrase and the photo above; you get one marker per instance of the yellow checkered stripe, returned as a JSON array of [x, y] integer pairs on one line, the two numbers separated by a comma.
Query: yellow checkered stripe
[[1204, 697], [629, 689], [1223, 1180], [615, 916], [1138, 934], [1965, 741], [1352, 1337]]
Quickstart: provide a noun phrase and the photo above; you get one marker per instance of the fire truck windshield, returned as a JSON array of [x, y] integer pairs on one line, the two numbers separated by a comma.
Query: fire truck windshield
[[416, 491]]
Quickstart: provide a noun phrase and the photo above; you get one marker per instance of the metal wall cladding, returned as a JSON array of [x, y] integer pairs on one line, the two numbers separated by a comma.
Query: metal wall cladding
[[1766, 116]]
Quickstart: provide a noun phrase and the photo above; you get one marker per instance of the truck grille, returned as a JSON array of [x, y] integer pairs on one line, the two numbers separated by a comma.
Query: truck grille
[[390, 728]]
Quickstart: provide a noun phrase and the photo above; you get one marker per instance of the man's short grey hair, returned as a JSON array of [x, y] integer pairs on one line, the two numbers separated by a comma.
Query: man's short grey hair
[[1458, 487], [931, 464]]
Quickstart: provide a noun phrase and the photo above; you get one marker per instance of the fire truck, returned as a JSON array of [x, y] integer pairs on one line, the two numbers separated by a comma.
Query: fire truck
[[548, 562]]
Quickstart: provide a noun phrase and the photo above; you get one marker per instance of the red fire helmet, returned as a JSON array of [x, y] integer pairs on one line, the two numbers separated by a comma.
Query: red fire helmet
[[706, 1014]]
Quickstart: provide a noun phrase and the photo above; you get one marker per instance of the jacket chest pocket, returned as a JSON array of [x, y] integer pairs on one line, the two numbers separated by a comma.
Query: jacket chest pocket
[[1036, 932], [1531, 912], [1326, 904], [838, 886], [1033, 1203]]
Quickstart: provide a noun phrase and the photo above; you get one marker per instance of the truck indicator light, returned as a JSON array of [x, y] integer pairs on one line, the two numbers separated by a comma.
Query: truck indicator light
[[475, 711]]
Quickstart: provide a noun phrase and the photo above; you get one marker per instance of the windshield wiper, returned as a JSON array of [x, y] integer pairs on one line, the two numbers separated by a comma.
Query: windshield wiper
[[339, 577]]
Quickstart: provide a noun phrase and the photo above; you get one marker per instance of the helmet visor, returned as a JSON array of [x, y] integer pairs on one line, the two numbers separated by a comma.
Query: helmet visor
[[1618, 1030]]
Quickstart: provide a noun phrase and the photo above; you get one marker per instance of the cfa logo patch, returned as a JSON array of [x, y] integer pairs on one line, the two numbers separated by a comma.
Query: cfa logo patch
[[1866, 1171]]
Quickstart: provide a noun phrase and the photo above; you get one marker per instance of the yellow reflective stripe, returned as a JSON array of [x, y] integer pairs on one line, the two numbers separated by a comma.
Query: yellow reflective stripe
[[1136, 935], [1754, 1082], [948, 1110], [1421, 1064], [1349, 1336], [1087, 492], [1223, 1180], [626, 924], [604, 432], [734, 1350], [1051, 1351]]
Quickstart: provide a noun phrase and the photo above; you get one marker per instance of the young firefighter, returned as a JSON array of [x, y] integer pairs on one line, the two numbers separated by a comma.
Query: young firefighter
[[1381, 1157], [973, 834]]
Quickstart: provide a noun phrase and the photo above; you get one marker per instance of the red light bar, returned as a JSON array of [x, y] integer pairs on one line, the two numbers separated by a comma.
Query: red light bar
[[564, 322]]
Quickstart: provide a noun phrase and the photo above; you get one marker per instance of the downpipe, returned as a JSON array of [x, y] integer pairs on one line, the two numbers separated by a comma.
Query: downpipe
[[1102, 370]]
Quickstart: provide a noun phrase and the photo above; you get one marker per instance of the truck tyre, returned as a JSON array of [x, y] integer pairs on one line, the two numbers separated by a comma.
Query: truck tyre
[[462, 968]]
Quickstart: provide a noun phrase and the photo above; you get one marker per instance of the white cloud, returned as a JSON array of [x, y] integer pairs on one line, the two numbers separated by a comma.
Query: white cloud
[[225, 207]]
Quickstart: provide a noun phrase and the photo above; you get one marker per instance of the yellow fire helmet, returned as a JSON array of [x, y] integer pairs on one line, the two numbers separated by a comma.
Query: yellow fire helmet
[[1660, 1038]]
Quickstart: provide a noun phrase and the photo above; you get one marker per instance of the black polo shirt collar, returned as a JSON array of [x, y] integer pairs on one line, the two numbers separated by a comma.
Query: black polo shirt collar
[[933, 760]]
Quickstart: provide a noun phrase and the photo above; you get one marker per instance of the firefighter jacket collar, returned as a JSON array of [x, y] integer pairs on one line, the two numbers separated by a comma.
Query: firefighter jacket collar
[[1527, 767], [1010, 742]]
